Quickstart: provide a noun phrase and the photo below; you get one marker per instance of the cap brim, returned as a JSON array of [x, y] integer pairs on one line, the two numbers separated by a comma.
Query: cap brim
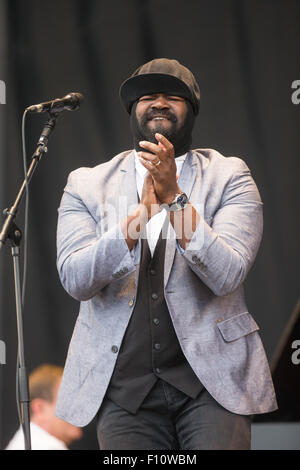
[[140, 85]]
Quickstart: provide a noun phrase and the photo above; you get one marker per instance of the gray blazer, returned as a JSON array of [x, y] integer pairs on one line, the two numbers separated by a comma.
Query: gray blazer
[[203, 284]]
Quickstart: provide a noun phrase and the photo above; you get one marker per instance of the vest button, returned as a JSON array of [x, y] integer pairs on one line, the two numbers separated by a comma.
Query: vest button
[[154, 296], [157, 370], [156, 321], [114, 349], [157, 346], [152, 272]]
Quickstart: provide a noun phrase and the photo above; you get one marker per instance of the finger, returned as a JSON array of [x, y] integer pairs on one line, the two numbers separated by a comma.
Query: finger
[[148, 180], [150, 146], [159, 150], [165, 142], [149, 157], [163, 148], [148, 165]]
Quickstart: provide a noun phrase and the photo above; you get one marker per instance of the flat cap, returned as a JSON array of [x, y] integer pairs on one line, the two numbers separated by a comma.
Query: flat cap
[[160, 76]]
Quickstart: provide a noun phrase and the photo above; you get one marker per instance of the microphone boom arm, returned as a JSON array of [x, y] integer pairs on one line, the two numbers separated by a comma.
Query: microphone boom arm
[[40, 150]]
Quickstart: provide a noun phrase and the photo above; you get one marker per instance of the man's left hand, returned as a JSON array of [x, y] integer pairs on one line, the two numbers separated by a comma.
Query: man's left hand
[[161, 165]]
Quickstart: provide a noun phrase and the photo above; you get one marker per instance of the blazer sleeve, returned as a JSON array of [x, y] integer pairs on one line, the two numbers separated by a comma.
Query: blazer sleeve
[[87, 260], [222, 254]]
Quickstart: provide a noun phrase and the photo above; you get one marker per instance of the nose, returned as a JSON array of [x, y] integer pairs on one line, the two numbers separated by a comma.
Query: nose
[[160, 102]]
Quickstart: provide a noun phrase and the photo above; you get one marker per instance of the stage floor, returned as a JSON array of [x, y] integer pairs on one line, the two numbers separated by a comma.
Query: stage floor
[[275, 436]]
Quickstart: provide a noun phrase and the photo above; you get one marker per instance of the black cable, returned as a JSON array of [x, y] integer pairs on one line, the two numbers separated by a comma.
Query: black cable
[[25, 238]]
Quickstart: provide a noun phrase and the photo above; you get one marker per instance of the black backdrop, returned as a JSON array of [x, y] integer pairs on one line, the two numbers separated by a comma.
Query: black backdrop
[[245, 55]]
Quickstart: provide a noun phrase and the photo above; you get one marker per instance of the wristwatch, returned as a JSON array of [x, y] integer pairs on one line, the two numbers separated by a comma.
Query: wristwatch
[[179, 202]]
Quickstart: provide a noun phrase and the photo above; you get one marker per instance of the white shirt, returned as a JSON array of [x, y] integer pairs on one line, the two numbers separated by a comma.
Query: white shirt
[[155, 224], [40, 440]]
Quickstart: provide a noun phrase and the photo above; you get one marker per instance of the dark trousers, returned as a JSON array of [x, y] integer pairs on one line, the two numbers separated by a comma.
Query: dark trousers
[[169, 420]]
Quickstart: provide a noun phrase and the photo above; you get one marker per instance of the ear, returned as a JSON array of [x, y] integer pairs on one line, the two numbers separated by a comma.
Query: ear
[[37, 406]]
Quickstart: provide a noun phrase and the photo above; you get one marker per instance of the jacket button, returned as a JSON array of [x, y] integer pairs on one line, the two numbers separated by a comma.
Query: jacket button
[[157, 346], [156, 321], [219, 320], [154, 296], [114, 349], [152, 272], [131, 303]]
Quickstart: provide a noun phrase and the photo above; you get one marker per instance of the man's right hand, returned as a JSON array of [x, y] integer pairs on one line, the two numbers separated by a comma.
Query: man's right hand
[[135, 223], [148, 197]]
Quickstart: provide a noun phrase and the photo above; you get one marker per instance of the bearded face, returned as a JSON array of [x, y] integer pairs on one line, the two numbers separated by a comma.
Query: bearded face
[[171, 116]]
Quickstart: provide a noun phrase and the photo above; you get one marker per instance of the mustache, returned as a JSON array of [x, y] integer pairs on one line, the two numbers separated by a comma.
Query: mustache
[[152, 113]]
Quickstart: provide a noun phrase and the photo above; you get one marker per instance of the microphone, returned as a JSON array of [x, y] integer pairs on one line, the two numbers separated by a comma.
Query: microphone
[[70, 102]]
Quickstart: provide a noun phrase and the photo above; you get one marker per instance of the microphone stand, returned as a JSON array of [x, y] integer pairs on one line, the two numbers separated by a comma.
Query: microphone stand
[[11, 232]]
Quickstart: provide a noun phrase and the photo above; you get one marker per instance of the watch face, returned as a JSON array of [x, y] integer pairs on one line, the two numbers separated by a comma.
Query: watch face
[[181, 200]]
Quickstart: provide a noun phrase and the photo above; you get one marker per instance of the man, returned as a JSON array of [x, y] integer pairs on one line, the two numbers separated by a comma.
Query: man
[[47, 432], [156, 244]]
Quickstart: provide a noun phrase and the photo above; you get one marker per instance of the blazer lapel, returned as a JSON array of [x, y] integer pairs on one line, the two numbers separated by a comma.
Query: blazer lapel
[[127, 189], [128, 197], [186, 182]]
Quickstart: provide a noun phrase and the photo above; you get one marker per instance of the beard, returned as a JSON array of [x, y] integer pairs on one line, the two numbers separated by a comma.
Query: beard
[[179, 136]]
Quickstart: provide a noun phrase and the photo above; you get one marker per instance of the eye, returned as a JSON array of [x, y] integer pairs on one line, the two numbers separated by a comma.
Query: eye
[[146, 98], [175, 98]]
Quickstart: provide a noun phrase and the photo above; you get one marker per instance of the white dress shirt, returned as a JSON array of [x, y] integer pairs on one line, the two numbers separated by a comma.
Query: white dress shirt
[[40, 440], [155, 224]]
